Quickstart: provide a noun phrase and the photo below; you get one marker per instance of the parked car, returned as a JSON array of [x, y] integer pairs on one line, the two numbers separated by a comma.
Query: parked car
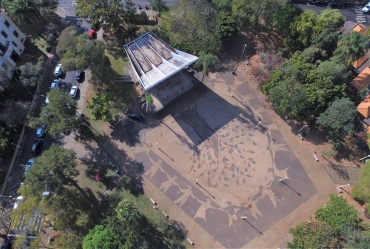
[[7, 244], [319, 2], [28, 165], [47, 101], [335, 3], [58, 70], [134, 115], [40, 131], [366, 8], [73, 92], [18, 201], [54, 84], [78, 75], [36, 146]]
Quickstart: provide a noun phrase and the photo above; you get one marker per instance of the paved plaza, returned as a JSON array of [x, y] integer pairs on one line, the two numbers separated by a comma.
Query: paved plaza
[[214, 139]]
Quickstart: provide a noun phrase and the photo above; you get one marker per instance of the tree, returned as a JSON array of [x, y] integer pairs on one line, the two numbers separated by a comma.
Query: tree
[[31, 75], [100, 107], [79, 51], [329, 18], [289, 98], [4, 79], [59, 115], [338, 214], [226, 25], [6, 138], [222, 4], [55, 168], [67, 241], [14, 112], [284, 16], [207, 62], [312, 235], [302, 29], [326, 40], [191, 27], [99, 237], [340, 114], [338, 72], [351, 47], [159, 5]]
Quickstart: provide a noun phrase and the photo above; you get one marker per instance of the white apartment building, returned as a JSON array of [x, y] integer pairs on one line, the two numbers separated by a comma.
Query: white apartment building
[[11, 43]]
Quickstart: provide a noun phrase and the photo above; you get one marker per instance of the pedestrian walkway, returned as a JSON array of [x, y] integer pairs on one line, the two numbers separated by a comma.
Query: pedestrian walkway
[[360, 16], [343, 174]]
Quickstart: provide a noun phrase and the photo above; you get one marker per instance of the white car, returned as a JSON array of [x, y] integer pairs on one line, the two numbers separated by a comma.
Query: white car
[[47, 101], [28, 165], [366, 9], [18, 201], [73, 92]]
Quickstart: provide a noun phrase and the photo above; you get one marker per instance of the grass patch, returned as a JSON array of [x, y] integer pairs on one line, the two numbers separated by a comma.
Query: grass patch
[[117, 63], [86, 182]]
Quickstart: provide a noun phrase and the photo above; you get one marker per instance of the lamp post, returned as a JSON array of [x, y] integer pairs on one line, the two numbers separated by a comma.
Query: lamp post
[[260, 122], [245, 45], [282, 179], [16, 145], [344, 185], [5, 196], [244, 217], [305, 126]]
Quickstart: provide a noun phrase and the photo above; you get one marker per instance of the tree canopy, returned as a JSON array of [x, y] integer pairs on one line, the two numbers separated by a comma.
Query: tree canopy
[[351, 47], [207, 61], [100, 107], [340, 114]]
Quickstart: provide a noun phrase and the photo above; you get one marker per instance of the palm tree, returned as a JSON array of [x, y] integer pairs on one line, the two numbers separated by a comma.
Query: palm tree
[[207, 61], [350, 48], [126, 211]]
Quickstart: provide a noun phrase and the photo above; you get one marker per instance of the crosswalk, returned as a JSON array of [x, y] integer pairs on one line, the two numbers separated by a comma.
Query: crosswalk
[[360, 17], [21, 223]]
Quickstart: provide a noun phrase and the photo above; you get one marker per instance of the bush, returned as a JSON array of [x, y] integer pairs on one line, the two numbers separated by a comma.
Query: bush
[[329, 153]]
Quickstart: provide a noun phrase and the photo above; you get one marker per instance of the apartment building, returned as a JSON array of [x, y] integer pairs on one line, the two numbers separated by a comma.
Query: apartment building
[[11, 43]]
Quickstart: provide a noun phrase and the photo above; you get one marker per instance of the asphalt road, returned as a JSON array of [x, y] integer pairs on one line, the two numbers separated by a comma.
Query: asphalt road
[[351, 13], [68, 5]]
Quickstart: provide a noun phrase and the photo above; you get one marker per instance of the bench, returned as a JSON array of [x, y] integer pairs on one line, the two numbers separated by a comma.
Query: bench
[[339, 189], [164, 214], [153, 201], [190, 241], [316, 158], [300, 136]]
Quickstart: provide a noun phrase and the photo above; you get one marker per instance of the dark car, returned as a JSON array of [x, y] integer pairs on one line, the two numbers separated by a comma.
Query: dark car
[[134, 115], [78, 75], [36, 146], [335, 4], [319, 2], [7, 244]]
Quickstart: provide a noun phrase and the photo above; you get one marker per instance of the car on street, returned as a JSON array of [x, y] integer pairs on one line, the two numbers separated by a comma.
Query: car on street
[[54, 84], [58, 70], [78, 75], [47, 101], [18, 201], [134, 116], [335, 3], [36, 146], [366, 8], [7, 244], [28, 165], [40, 131], [73, 92]]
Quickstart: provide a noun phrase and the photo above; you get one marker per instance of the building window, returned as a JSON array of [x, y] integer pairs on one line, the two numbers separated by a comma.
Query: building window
[[15, 44], [15, 33], [22, 40], [7, 23], [4, 34]]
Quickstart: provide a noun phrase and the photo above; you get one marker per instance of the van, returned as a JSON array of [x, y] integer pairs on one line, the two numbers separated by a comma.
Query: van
[[58, 70]]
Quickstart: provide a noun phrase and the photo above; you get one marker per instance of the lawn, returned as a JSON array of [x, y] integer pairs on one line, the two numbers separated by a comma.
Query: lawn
[[117, 63]]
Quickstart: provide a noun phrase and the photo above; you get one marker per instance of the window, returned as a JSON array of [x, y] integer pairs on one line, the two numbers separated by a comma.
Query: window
[[7, 23], [22, 40], [4, 34], [15, 44], [15, 33]]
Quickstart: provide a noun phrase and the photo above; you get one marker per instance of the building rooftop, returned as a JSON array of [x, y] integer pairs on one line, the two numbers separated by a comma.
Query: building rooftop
[[362, 80], [154, 60]]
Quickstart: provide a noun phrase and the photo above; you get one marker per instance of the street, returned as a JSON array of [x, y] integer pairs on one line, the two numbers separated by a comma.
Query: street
[[354, 13], [68, 5]]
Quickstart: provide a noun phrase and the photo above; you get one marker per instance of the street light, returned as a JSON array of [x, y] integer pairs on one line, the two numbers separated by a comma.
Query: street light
[[260, 122], [5, 196], [245, 45], [16, 145], [244, 217], [344, 185], [305, 126], [282, 179]]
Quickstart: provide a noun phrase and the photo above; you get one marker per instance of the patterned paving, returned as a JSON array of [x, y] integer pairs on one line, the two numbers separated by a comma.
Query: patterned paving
[[238, 167], [343, 174]]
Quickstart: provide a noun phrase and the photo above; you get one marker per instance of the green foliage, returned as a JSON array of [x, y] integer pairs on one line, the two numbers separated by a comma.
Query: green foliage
[[313, 54], [6, 138], [189, 28], [207, 61], [326, 41], [99, 237], [148, 98], [336, 139], [222, 4], [337, 72], [340, 114], [329, 18], [226, 25], [59, 115], [67, 241], [338, 214], [302, 29], [159, 5], [312, 235], [351, 47], [361, 191], [284, 16], [79, 51], [100, 107], [31, 75]]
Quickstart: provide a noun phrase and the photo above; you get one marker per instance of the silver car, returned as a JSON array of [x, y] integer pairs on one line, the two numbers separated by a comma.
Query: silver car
[[73, 92]]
